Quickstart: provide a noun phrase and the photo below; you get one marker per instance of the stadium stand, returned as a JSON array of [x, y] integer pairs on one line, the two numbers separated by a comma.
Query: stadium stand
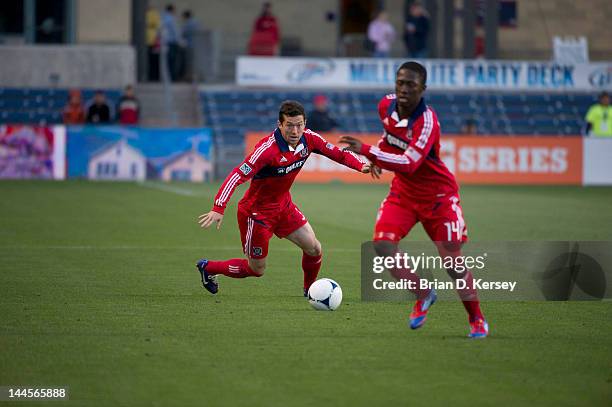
[[41, 106], [232, 112]]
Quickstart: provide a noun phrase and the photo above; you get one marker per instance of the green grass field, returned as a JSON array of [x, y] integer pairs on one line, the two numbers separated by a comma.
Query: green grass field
[[98, 292]]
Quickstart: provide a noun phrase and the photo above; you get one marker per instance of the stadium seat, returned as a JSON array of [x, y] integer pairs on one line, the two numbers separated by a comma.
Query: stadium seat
[[498, 113]]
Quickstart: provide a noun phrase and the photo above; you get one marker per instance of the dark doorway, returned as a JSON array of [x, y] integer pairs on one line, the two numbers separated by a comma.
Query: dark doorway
[[357, 14], [50, 22]]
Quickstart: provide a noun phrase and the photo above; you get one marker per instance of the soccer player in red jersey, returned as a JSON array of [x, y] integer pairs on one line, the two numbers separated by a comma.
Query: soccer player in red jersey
[[266, 208], [423, 189]]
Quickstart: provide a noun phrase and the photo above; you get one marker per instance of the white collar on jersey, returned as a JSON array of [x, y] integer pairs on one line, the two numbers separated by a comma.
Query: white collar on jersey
[[297, 149], [400, 123]]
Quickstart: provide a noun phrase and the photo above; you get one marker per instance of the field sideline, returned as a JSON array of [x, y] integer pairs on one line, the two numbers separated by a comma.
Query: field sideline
[[98, 292]]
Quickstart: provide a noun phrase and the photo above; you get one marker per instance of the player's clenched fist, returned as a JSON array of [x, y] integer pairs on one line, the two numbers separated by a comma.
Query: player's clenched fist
[[209, 218]]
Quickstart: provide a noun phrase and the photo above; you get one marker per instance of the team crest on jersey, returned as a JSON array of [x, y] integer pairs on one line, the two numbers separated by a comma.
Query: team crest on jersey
[[304, 152], [245, 169], [329, 146], [257, 251]]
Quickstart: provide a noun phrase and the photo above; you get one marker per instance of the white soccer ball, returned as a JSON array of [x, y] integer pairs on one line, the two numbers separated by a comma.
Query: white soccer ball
[[325, 295]]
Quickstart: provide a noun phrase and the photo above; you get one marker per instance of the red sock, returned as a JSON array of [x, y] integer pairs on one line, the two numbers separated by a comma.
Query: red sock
[[469, 297], [235, 268], [407, 274], [311, 266]]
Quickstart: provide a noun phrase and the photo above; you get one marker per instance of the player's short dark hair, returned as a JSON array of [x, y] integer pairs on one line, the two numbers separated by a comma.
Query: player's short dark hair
[[416, 68], [290, 108]]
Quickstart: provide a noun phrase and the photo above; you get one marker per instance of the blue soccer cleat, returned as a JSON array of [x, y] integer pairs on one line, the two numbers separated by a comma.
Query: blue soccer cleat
[[418, 316], [478, 328], [208, 281]]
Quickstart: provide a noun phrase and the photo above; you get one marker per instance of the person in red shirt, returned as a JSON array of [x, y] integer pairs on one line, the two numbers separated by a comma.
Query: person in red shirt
[[267, 208], [74, 112], [423, 189], [265, 37], [128, 107]]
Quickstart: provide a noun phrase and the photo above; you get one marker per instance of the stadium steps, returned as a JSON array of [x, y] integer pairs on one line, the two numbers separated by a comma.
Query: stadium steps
[[177, 106]]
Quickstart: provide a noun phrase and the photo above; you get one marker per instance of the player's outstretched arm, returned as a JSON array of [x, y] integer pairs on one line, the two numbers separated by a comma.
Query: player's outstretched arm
[[346, 158], [246, 170], [355, 145], [207, 219], [404, 163]]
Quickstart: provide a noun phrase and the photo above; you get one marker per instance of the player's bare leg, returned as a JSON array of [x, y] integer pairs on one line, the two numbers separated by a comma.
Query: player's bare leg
[[312, 255], [258, 266]]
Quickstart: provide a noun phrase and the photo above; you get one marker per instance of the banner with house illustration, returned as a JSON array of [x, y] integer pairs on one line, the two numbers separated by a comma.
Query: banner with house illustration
[[137, 154]]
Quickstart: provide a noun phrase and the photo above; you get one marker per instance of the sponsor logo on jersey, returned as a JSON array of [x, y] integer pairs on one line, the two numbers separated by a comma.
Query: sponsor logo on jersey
[[283, 160], [245, 169], [395, 141], [294, 166]]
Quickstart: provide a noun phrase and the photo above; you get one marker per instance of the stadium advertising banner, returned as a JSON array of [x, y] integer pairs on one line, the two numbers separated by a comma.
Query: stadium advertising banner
[[442, 74], [473, 160], [514, 160], [137, 154], [32, 152]]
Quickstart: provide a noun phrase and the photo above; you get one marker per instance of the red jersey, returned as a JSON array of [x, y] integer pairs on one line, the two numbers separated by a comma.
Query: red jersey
[[411, 148], [273, 166], [128, 110]]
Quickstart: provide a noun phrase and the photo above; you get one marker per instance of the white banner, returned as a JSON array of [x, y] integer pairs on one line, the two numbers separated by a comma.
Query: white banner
[[442, 74], [597, 161]]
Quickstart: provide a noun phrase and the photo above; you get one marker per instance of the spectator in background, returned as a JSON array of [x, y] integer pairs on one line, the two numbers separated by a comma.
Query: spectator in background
[[265, 38], [73, 112], [153, 26], [382, 34], [319, 119], [99, 112], [469, 127], [170, 38], [416, 31], [128, 108], [188, 31], [599, 117]]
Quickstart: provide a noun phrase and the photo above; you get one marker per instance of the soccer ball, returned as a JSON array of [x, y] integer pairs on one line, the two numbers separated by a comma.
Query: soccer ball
[[325, 295]]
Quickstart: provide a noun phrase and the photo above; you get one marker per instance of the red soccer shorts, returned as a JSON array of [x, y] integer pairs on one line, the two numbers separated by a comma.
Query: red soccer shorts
[[442, 218], [257, 228]]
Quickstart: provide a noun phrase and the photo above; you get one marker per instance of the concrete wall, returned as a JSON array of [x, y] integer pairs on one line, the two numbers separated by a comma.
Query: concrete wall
[[103, 22], [90, 66], [235, 19], [538, 21]]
